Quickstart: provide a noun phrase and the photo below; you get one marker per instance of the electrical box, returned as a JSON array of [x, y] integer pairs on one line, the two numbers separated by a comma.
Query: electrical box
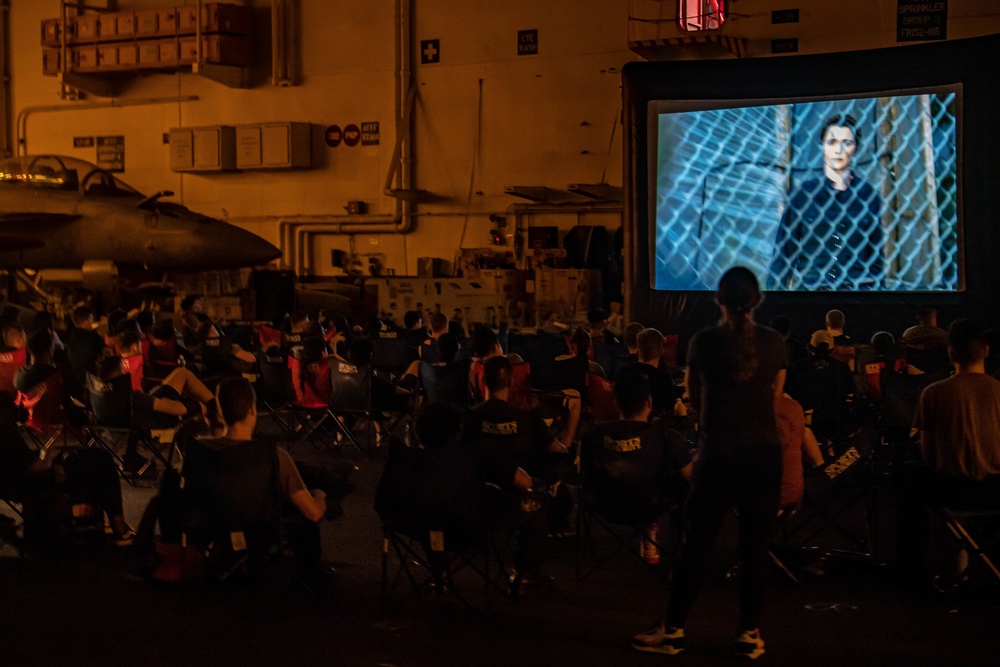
[[274, 146], [203, 148]]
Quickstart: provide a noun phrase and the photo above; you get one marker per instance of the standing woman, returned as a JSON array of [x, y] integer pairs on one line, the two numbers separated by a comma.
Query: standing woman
[[735, 370]]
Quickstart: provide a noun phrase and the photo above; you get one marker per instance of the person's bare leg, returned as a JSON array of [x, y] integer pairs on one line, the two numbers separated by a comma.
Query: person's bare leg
[[186, 383]]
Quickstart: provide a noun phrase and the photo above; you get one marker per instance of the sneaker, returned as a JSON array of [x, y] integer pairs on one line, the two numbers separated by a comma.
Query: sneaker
[[658, 640], [749, 645]]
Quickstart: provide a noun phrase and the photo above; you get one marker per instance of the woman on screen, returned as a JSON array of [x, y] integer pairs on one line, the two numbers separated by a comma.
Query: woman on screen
[[830, 236]]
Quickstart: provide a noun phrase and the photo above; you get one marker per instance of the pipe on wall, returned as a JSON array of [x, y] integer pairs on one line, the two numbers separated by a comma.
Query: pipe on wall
[[298, 233], [25, 114]]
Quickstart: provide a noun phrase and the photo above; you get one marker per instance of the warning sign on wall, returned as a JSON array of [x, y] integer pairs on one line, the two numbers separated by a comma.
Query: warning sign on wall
[[527, 42], [369, 133], [921, 20], [111, 153]]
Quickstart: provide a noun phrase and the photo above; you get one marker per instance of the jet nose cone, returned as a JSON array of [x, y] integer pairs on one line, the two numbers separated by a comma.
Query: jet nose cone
[[245, 248]]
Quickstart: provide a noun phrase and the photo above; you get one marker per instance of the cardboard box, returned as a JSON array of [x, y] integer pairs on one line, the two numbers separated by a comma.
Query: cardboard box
[[215, 17], [51, 29], [86, 28], [124, 25], [167, 21], [51, 61], [149, 52], [85, 59], [107, 57], [216, 49], [128, 55], [147, 23]]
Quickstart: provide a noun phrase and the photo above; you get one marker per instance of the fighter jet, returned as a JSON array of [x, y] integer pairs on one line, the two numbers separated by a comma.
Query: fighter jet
[[60, 212]]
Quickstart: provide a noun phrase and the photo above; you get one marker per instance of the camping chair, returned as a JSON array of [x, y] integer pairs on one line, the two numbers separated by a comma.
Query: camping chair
[[391, 355], [448, 383], [835, 516], [232, 508], [977, 534], [115, 430], [275, 395], [48, 421], [311, 405], [622, 498], [437, 543], [351, 399]]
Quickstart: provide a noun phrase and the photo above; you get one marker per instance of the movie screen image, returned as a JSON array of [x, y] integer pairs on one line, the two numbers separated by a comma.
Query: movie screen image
[[855, 194]]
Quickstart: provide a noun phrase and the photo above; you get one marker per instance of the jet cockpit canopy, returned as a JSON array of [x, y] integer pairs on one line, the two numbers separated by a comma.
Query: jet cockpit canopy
[[59, 172]]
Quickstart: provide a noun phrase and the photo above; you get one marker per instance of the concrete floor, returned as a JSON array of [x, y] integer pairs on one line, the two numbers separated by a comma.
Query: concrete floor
[[93, 609]]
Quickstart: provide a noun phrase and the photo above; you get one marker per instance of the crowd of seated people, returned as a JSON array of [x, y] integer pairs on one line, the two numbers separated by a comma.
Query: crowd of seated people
[[496, 390]]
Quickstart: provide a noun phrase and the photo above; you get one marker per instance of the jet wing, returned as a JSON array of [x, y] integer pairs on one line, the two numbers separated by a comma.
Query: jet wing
[[8, 219]]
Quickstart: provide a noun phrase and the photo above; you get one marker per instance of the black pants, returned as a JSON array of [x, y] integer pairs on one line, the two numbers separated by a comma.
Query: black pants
[[90, 476], [750, 481]]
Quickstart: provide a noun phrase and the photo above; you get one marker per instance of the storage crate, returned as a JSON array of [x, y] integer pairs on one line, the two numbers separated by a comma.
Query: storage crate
[[51, 61], [85, 59], [217, 49], [215, 17], [51, 29]]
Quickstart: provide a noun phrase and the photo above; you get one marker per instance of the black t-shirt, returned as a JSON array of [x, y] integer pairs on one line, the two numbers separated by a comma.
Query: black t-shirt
[[28, 377], [83, 347], [735, 414], [629, 466], [510, 437], [661, 384], [15, 460]]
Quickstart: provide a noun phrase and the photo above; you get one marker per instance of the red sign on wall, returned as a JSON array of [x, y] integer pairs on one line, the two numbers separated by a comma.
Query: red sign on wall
[[334, 136], [352, 135]]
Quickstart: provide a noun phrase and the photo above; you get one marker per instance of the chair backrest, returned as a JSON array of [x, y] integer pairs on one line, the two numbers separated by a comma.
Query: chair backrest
[[275, 382], [217, 357], [134, 369], [111, 401], [351, 387], [10, 362], [430, 352], [601, 398], [231, 489], [609, 356], [901, 392], [448, 383], [312, 388], [423, 490], [390, 354], [625, 470], [268, 337]]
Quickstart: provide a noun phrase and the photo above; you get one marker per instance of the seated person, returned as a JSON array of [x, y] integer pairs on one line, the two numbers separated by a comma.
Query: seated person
[[926, 342], [237, 409], [842, 348], [580, 348], [486, 346], [798, 445], [443, 484], [650, 364], [959, 423], [446, 380], [83, 344], [515, 434], [14, 337], [87, 475], [825, 389], [428, 348], [165, 353], [634, 464], [179, 396], [40, 384], [597, 321]]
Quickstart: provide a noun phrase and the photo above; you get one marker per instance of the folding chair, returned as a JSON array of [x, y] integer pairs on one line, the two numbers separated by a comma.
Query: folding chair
[[610, 356], [10, 362], [311, 404], [835, 516], [448, 383], [232, 509], [437, 543], [47, 421], [115, 430], [274, 391], [622, 498], [351, 399], [391, 355], [977, 534]]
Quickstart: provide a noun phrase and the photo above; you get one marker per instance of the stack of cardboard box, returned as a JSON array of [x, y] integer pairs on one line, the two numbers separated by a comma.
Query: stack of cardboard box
[[148, 39]]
